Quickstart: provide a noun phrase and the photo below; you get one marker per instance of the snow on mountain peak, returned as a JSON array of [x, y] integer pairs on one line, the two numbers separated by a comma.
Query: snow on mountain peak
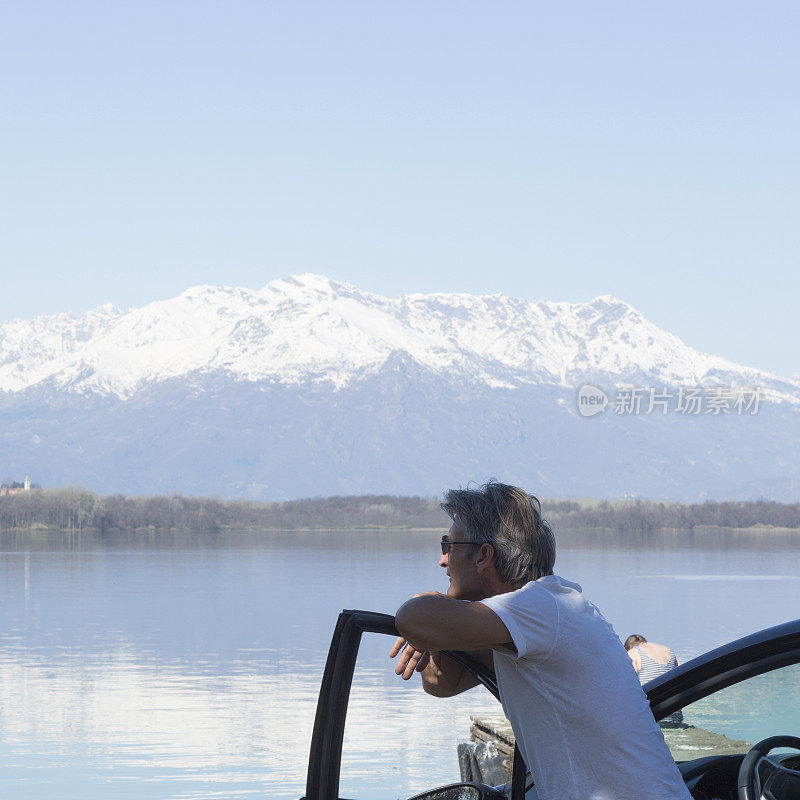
[[305, 284], [310, 328]]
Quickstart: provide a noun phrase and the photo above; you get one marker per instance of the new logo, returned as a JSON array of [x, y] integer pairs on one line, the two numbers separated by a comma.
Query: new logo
[[591, 400]]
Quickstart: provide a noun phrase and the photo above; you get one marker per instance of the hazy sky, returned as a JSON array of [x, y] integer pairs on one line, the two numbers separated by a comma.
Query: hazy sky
[[559, 151]]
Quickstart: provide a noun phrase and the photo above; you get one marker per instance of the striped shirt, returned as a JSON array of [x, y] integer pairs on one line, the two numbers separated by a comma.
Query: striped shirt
[[650, 669]]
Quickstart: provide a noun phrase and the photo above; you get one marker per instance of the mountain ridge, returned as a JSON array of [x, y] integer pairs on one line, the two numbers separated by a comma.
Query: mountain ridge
[[310, 329], [309, 387]]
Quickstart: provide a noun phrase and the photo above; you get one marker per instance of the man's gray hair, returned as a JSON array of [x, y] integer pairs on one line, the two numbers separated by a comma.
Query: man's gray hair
[[511, 521]]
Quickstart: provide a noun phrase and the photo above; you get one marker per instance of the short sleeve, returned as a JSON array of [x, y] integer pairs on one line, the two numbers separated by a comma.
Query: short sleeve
[[531, 616]]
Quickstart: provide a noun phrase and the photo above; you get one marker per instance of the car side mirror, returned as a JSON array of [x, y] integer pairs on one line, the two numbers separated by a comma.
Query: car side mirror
[[462, 791]]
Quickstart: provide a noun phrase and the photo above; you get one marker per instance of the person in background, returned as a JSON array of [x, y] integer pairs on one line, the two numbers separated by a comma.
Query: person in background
[[651, 660]]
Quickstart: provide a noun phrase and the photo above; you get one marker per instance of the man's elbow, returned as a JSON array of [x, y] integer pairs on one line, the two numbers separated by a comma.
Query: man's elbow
[[410, 626]]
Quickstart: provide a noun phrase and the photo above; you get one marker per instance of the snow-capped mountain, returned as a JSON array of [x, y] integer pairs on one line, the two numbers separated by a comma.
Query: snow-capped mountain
[[310, 387], [309, 328]]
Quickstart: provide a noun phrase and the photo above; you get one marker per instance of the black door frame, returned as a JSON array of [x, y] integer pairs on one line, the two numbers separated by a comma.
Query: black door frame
[[324, 761]]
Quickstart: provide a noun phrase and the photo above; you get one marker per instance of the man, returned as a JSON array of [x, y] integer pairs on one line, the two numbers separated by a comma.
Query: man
[[580, 718]]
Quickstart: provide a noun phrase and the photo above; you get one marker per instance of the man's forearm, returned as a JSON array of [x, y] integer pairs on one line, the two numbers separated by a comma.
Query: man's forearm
[[424, 621], [434, 622]]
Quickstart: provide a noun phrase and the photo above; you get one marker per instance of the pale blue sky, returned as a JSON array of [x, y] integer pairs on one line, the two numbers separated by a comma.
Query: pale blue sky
[[560, 151]]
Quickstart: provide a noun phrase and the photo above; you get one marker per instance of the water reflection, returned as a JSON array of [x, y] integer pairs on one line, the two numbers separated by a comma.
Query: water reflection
[[182, 730]]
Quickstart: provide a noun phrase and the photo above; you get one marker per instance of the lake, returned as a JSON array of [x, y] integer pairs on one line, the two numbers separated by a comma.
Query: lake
[[187, 665]]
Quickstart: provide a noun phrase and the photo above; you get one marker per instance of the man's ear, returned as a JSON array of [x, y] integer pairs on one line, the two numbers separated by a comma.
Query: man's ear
[[485, 558]]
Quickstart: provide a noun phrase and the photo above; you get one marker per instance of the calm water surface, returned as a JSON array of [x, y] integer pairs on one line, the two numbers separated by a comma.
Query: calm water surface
[[188, 666]]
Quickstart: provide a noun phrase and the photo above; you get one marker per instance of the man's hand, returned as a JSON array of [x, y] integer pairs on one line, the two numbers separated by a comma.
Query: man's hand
[[410, 659], [441, 675]]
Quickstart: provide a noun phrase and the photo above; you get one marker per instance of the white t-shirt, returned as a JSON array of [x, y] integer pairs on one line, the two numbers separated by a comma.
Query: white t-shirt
[[580, 717]]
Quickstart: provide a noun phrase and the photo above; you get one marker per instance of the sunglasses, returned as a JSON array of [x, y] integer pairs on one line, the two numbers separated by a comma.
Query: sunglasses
[[448, 546]]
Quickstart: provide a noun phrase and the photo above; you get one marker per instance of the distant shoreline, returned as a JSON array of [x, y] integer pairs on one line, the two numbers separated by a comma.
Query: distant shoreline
[[763, 529], [229, 529], [78, 509]]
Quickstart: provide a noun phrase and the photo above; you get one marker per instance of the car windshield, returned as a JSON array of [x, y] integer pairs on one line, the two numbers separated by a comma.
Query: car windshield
[[733, 719]]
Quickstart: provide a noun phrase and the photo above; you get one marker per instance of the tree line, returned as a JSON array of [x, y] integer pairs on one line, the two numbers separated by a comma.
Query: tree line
[[649, 515], [77, 509]]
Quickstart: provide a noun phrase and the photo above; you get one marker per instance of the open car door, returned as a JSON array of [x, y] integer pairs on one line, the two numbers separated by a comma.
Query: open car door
[[326, 743]]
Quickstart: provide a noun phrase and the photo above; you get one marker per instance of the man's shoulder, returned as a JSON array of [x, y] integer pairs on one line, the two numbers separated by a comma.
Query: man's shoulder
[[554, 584], [545, 599], [530, 595]]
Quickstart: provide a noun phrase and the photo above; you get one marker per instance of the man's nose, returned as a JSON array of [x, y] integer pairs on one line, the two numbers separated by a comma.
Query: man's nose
[[443, 560]]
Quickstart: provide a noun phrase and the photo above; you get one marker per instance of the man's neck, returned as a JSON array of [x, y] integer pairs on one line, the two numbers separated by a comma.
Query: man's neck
[[495, 587]]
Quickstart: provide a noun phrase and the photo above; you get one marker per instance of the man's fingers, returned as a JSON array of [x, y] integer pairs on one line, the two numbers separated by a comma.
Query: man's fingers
[[397, 646], [412, 663], [410, 659], [400, 647], [400, 666], [405, 657]]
